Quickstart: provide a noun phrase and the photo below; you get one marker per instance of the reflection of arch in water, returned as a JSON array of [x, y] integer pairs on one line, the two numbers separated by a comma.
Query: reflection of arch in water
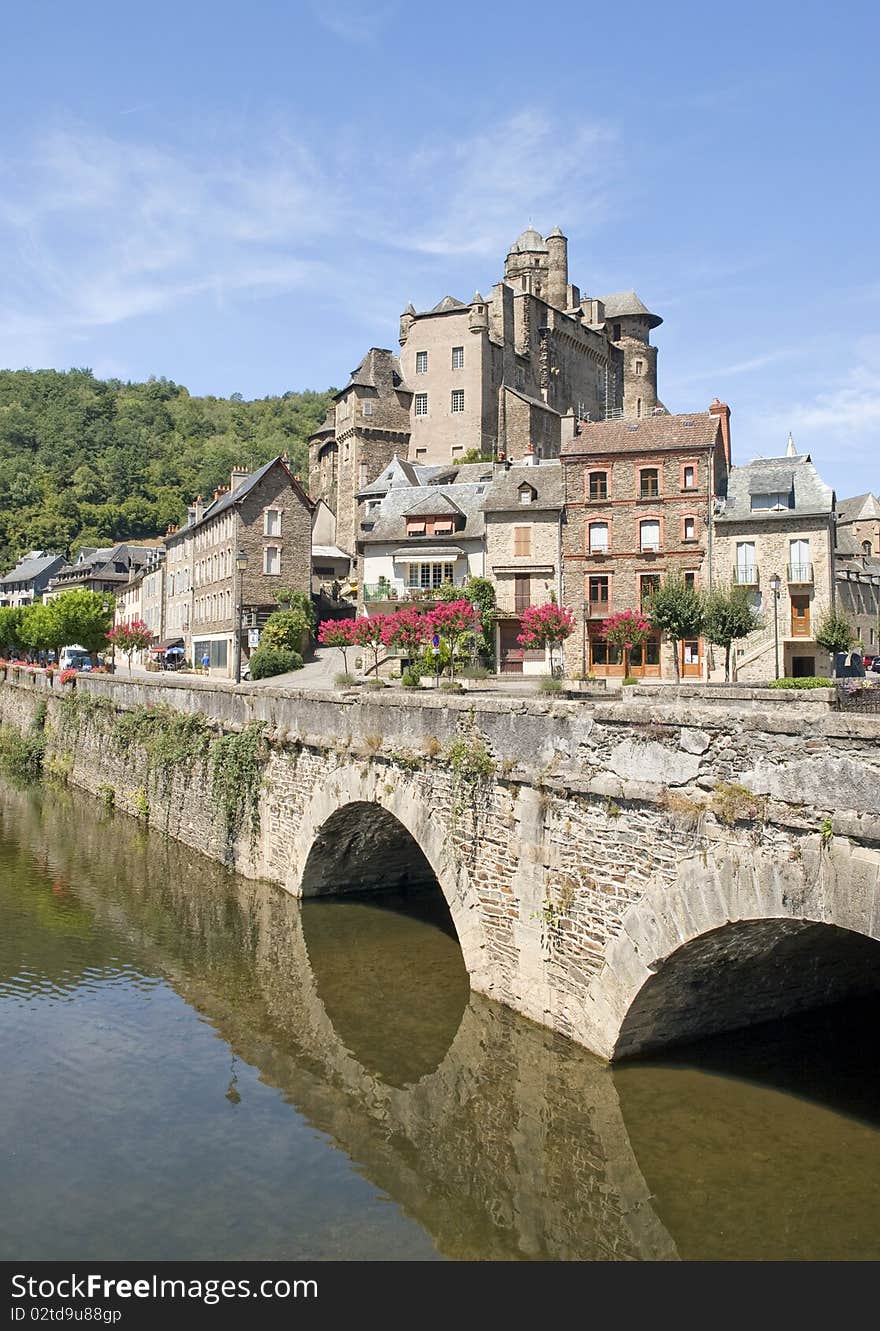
[[480, 1151], [733, 943], [356, 823]]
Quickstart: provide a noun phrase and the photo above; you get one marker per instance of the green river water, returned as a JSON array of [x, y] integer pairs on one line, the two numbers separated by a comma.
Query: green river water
[[193, 1066]]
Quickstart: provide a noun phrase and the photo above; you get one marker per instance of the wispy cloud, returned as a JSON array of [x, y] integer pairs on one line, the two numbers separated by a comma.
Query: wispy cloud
[[355, 21]]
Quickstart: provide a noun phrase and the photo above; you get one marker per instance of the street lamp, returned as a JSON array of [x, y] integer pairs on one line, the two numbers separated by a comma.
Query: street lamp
[[775, 584], [241, 562]]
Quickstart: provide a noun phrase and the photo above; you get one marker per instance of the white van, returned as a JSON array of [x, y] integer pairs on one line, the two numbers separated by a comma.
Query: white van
[[75, 657]]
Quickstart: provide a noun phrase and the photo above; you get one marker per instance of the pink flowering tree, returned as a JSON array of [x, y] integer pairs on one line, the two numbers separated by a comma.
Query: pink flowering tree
[[132, 637], [625, 630], [337, 633], [545, 626], [367, 632], [453, 622], [407, 629]]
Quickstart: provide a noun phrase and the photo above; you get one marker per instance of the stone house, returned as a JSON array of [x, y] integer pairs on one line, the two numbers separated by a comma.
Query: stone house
[[858, 525], [496, 376], [142, 598], [330, 564], [777, 521], [639, 498], [26, 583], [416, 537], [857, 567], [103, 569], [267, 516], [523, 512]]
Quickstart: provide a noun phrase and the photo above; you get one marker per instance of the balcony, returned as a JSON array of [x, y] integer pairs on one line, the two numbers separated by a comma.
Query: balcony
[[800, 573], [745, 575], [597, 609], [395, 590]]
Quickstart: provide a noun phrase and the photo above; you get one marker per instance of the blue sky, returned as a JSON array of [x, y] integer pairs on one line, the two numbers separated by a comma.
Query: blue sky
[[244, 197]]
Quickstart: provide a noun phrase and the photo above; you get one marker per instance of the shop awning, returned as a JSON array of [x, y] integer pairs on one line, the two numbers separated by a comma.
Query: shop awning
[[166, 643], [422, 555]]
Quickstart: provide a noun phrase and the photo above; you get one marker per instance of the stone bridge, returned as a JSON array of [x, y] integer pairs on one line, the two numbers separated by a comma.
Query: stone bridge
[[630, 872]]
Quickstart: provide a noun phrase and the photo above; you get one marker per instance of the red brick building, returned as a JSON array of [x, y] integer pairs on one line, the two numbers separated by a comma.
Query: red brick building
[[639, 497]]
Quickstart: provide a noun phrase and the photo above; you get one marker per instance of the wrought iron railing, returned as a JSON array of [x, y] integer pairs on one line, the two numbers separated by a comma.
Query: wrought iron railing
[[800, 572], [745, 575], [397, 590]]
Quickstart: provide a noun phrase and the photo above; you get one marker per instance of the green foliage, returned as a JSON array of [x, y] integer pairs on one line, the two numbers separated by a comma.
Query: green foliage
[[835, 632], [548, 685], [289, 599], [10, 628], [728, 616], [73, 617], [451, 686], [470, 760], [733, 803], [676, 610], [89, 462], [474, 672], [22, 755], [237, 763], [170, 739], [807, 682], [141, 801], [268, 661], [285, 629], [629, 680], [826, 832], [344, 681], [474, 455]]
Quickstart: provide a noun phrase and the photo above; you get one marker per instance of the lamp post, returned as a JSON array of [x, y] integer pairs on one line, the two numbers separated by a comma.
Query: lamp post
[[241, 562], [775, 584]]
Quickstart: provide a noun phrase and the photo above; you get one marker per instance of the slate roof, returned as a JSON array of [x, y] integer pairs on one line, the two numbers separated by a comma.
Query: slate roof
[[812, 497], [389, 520], [529, 242], [651, 434], [364, 374], [32, 567], [433, 500], [232, 497], [860, 506], [502, 495], [622, 303]]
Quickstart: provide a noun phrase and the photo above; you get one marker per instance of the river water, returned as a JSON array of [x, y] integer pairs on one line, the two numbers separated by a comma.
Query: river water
[[193, 1066]]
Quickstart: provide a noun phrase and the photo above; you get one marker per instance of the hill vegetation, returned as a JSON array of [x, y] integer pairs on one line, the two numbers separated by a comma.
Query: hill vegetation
[[85, 461]]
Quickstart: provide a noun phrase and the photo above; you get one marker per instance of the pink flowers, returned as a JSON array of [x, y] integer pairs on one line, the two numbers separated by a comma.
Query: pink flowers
[[407, 629], [545, 625], [67, 676], [626, 629]]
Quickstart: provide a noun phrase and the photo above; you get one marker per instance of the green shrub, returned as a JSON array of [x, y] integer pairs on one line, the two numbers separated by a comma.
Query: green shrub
[[474, 672], [285, 628], [546, 684], [375, 684], [630, 679], [410, 678], [21, 755], [268, 661], [450, 686], [807, 682], [344, 681]]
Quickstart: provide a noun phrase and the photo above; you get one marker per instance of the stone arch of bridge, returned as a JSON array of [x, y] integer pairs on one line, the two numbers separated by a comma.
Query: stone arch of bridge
[[743, 935], [368, 807]]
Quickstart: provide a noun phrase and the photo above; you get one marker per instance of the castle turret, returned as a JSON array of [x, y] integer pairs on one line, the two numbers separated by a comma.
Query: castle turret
[[479, 314], [557, 269], [406, 322]]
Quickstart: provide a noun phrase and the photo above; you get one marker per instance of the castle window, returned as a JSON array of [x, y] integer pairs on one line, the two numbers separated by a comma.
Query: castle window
[[598, 484], [689, 529], [422, 402], [368, 408], [458, 399], [866, 547], [615, 332], [458, 358], [640, 367], [689, 478], [421, 362], [638, 406]]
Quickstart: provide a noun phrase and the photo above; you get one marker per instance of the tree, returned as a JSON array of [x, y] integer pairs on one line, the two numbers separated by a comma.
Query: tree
[[10, 628], [367, 633], [625, 630], [79, 616], [337, 633], [546, 626], [727, 617], [289, 598], [676, 610], [130, 638], [407, 629], [835, 632], [286, 629], [453, 622], [481, 593]]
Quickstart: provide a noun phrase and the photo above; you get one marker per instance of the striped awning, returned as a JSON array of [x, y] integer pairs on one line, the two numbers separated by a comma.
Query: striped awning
[[426, 555]]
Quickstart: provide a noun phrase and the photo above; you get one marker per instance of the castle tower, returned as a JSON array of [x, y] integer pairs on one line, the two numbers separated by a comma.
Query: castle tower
[[406, 322], [557, 269], [527, 263], [479, 314], [628, 325]]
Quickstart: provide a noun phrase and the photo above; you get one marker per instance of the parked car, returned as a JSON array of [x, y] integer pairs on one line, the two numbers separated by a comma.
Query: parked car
[[75, 657]]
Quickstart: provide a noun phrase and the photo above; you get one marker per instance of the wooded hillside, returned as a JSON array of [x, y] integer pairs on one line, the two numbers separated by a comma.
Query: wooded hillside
[[85, 461]]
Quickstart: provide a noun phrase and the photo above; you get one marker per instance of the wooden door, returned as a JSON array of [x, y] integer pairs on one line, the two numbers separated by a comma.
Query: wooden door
[[510, 653], [691, 665], [800, 616]]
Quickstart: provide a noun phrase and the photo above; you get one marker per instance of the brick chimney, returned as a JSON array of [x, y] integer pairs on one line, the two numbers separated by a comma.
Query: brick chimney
[[722, 410], [239, 474]]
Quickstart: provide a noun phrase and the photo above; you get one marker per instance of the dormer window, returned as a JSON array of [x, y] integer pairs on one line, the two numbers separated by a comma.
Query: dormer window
[[774, 501], [527, 495], [415, 527]]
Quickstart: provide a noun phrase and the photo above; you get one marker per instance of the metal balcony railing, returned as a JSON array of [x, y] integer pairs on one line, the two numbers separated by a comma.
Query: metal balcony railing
[[745, 575], [395, 589], [597, 609], [800, 572]]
